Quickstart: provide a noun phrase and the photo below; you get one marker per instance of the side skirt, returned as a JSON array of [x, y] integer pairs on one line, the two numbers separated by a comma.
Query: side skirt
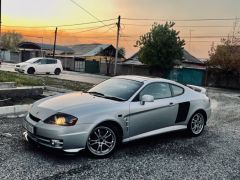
[[155, 132]]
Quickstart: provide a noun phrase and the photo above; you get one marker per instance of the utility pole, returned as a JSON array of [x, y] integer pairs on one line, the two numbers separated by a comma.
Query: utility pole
[[55, 39], [116, 55], [0, 19], [0, 30], [190, 38]]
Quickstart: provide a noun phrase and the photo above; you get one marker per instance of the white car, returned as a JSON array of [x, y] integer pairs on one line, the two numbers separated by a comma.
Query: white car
[[40, 65]]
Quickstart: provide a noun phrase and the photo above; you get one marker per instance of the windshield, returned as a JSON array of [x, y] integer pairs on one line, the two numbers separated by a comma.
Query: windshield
[[116, 89], [32, 60]]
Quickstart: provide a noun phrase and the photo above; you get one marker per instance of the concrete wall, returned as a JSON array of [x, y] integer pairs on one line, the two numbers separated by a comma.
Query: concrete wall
[[124, 69], [20, 92], [9, 56]]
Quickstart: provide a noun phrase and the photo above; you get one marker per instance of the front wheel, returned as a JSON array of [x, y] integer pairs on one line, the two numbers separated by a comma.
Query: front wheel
[[57, 71], [102, 141], [31, 70], [196, 124]]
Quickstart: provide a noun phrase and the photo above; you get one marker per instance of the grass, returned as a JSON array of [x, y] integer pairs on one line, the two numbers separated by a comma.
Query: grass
[[31, 80]]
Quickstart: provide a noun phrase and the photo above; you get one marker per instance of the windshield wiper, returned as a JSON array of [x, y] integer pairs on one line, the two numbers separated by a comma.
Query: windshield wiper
[[94, 93], [114, 98]]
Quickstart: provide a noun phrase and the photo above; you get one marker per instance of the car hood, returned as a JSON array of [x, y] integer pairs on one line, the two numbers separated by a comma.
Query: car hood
[[22, 64], [68, 100], [71, 103]]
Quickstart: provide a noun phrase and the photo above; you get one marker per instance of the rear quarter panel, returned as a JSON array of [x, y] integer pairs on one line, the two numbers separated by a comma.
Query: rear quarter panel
[[198, 102]]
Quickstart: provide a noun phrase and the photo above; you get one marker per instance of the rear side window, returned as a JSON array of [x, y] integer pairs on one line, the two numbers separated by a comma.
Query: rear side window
[[177, 90], [51, 61], [157, 90], [43, 61]]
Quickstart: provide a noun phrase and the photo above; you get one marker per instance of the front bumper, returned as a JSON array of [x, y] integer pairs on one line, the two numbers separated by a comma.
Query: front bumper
[[19, 70], [68, 139]]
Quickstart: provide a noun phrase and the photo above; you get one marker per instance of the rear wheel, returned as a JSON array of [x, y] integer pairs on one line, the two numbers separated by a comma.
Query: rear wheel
[[102, 141], [31, 70], [196, 124], [57, 71]]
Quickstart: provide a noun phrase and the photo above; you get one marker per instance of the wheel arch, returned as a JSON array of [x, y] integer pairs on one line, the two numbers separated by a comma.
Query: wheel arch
[[113, 123], [203, 112]]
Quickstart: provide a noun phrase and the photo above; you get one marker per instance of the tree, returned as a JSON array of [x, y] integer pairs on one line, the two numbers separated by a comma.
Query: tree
[[160, 48], [226, 57], [10, 40]]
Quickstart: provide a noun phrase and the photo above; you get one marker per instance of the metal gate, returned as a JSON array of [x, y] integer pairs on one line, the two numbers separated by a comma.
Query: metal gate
[[188, 76], [79, 65], [92, 67]]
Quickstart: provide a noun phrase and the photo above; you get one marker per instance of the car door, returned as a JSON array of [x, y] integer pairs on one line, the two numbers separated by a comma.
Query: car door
[[152, 115], [51, 63], [41, 66]]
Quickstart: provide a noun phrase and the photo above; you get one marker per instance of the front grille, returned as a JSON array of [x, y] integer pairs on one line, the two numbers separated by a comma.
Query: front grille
[[34, 118]]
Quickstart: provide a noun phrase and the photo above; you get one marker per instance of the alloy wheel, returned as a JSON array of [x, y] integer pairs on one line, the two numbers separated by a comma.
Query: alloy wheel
[[101, 141], [197, 123]]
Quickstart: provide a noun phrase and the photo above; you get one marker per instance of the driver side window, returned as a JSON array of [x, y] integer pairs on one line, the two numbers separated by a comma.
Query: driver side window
[[157, 90], [43, 61]]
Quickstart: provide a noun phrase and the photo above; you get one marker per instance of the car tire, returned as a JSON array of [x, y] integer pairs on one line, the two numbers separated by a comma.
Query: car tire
[[57, 71], [102, 141], [31, 70], [196, 124]]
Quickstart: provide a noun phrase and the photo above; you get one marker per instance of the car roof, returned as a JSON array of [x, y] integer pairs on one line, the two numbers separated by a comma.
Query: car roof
[[44, 58], [146, 79]]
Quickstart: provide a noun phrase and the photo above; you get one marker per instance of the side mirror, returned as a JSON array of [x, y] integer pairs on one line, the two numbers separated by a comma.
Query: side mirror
[[146, 98]]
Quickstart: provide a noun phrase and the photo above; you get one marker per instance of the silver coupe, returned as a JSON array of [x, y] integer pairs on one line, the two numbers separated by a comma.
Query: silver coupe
[[120, 109]]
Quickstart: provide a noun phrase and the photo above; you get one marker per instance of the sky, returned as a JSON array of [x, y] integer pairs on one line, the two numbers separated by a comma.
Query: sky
[[63, 12]]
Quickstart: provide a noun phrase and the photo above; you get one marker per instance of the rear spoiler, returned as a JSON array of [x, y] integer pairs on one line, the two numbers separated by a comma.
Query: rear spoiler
[[198, 89]]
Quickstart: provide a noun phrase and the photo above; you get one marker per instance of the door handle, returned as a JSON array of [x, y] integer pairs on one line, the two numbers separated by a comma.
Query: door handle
[[171, 104]]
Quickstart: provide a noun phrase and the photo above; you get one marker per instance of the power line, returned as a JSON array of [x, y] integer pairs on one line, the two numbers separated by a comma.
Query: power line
[[90, 27], [99, 27], [196, 36], [207, 19], [78, 5], [64, 25], [188, 26]]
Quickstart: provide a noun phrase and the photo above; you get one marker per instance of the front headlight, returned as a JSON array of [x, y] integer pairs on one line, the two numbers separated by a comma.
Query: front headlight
[[23, 66], [61, 120]]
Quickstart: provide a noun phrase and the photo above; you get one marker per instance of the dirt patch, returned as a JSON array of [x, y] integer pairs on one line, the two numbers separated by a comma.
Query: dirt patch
[[19, 101]]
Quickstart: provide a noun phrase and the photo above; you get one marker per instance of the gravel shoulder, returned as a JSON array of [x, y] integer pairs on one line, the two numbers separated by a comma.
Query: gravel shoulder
[[213, 155]]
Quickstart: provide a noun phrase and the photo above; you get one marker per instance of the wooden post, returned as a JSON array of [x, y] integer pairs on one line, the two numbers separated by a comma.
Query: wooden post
[[116, 55], [55, 39]]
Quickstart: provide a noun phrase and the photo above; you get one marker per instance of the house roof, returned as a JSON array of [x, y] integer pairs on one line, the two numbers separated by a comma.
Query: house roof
[[85, 50], [47, 47], [187, 58]]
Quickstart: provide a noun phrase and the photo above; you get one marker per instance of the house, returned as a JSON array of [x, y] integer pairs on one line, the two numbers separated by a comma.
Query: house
[[30, 50], [189, 61], [90, 58], [190, 71]]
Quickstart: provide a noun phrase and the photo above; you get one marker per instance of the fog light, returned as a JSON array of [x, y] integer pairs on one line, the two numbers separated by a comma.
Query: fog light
[[56, 143]]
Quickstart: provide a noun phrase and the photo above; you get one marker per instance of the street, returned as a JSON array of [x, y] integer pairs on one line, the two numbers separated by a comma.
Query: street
[[213, 155], [65, 75]]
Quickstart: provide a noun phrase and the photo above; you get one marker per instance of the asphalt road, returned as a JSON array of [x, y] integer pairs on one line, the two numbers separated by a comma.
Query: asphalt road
[[65, 75], [213, 155]]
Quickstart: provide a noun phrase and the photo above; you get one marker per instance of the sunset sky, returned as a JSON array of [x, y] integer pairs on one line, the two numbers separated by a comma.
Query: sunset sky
[[64, 12]]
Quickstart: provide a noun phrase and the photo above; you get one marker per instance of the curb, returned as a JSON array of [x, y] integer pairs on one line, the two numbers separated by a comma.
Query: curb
[[60, 90], [7, 110]]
